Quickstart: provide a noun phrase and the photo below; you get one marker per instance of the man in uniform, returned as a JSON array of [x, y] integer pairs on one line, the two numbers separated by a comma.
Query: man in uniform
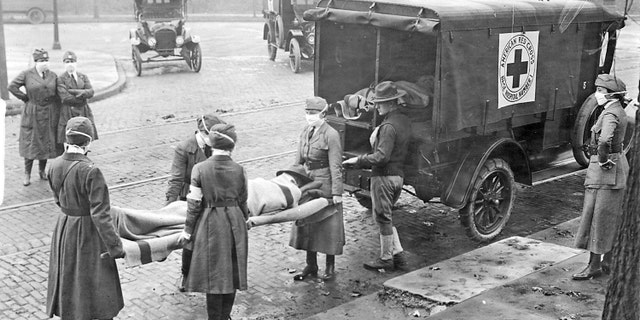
[[389, 143]]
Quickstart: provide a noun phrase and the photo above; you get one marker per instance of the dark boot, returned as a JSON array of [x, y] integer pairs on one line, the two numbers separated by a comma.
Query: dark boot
[[607, 261], [311, 269], [399, 260], [593, 269], [227, 305], [385, 261], [380, 264], [330, 270], [214, 306], [42, 164], [186, 264]]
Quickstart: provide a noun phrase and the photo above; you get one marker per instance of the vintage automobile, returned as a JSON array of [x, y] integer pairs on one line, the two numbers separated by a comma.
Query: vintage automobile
[[285, 28], [161, 29], [509, 86], [34, 10]]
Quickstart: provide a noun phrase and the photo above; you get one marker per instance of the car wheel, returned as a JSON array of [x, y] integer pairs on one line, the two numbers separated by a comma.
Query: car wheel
[[272, 47], [137, 60], [490, 202], [195, 58], [36, 15], [581, 134], [294, 55], [279, 32]]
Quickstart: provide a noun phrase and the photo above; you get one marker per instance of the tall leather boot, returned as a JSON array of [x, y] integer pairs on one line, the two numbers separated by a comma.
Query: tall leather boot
[[607, 261], [214, 306], [42, 164], [593, 269], [311, 269], [330, 270], [385, 261], [399, 259]]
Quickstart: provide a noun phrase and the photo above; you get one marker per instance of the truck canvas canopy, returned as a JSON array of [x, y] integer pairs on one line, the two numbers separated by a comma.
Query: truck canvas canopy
[[524, 42]]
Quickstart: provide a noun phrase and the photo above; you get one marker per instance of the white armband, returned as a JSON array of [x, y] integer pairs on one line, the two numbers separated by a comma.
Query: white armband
[[195, 193]]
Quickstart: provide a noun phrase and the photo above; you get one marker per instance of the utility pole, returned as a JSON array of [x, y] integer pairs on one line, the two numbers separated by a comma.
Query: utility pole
[[56, 41], [96, 9], [4, 93]]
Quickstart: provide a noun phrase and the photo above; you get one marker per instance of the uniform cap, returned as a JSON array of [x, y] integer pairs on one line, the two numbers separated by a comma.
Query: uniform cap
[[69, 56], [207, 121], [223, 136], [387, 91], [315, 103], [79, 130], [611, 83], [40, 54]]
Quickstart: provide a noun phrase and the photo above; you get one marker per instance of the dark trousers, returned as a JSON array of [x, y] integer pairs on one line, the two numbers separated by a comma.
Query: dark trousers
[[219, 306], [28, 164]]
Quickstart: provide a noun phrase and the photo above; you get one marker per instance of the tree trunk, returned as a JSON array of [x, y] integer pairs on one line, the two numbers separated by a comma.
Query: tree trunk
[[623, 290]]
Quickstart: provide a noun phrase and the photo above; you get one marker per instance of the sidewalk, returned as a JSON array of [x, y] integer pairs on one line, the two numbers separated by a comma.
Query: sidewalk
[[107, 76], [516, 278]]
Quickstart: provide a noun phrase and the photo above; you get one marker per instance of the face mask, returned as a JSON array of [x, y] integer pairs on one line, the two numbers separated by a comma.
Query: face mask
[[42, 66], [312, 118], [70, 66], [601, 99]]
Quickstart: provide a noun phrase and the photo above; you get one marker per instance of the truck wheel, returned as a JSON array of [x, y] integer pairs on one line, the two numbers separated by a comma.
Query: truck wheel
[[137, 60], [581, 134], [272, 47], [195, 58], [279, 31], [294, 55], [36, 15], [490, 202]]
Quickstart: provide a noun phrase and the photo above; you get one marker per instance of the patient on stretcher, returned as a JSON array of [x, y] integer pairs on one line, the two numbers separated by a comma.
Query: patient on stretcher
[[151, 235]]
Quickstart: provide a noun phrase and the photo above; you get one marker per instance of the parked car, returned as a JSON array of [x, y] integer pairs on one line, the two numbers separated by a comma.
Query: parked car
[[35, 11], [509, 87], [161, 29], [285, 29]]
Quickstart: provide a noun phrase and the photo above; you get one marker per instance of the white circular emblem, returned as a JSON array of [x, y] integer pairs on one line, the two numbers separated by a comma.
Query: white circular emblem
[[517, 67]]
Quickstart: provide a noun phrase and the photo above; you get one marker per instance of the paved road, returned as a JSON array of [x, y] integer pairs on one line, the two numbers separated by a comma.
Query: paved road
[[264, 99]]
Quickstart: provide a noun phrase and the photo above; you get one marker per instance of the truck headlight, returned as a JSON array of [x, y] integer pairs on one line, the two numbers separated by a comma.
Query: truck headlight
[[135, 41], [195, 39], [179, 41], [311, 38], [152, 42]]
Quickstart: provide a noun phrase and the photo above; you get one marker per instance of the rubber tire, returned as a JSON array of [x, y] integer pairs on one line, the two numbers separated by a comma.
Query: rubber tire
[[581, 133], [272, 48], [195, 63], [279, 32], [500, 169], [137, 60], [295, 56], [36, 16]]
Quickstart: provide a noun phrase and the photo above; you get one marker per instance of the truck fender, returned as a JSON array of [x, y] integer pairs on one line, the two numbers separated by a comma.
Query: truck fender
[[295, 33], [455, 195]]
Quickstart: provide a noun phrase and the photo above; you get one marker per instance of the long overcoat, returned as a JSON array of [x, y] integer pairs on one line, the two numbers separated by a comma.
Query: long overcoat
[[82, 285], [602, 210], [218, 228], [40, 115], [186, 155], [326, 236], [74, 95]]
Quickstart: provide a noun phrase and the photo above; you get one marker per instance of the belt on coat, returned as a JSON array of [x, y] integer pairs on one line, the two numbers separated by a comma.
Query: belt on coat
[[76, 212], [222, 203], [593, 148], [314, 165]]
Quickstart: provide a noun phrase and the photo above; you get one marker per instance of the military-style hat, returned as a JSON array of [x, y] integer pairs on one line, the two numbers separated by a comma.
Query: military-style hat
[[223, 136], [69, 56], [315, 103], [297, 171], [205, 122], [39, 54], [611, 83], [386, 91], [79, 130]]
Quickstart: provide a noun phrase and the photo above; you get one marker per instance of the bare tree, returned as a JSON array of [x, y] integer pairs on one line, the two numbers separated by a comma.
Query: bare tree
[[623, 291]]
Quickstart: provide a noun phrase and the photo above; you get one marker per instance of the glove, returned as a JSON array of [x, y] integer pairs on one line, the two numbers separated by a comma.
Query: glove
[[184, 238], [351, 161], [337, 199], [118, 254], [607, 165]]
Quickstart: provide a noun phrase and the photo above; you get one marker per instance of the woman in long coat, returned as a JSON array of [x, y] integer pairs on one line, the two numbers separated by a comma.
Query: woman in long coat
[[39, 119], [74, 89], [320, 152], [216, 225], [606, 179], [83, 279]]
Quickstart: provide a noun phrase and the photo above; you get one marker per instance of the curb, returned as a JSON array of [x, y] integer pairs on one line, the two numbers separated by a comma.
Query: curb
[[129, 18], [14, 107]]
